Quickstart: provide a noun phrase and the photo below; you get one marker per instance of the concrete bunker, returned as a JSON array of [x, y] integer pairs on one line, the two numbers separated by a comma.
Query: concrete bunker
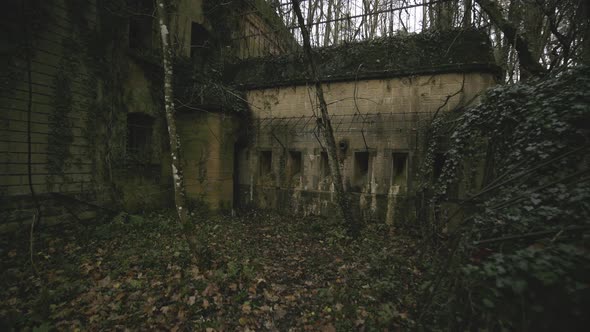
[[378, 111]]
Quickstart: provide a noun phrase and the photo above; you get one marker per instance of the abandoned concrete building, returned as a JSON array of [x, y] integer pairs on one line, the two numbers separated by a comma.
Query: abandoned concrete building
[[98, 134]]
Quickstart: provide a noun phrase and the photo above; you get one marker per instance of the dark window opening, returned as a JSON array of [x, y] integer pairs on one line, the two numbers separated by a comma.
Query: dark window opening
[[439, 163], [295, 164], [265, 162], [199, 39], [139, 137], [361, 169], [325, 170], [399, 172], [140, 24]]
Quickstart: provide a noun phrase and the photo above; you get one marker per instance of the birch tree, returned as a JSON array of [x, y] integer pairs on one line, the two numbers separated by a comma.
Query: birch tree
[[325, 125], [175, 149]]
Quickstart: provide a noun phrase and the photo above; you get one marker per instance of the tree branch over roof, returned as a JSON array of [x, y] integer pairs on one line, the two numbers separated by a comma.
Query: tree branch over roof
[[517, 40]]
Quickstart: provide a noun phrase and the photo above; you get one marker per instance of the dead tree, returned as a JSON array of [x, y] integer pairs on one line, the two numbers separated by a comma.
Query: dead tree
[[175, 149], [324, 123]]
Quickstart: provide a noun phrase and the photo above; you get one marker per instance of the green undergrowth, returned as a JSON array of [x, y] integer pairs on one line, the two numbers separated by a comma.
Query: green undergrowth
[[519, 258], [260, 271]]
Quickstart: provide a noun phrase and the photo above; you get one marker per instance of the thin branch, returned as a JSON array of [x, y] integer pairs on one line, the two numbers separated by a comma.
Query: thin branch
[[37, 212]]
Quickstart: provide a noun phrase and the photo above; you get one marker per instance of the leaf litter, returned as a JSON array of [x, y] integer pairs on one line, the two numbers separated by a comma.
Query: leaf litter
[[264, 272]]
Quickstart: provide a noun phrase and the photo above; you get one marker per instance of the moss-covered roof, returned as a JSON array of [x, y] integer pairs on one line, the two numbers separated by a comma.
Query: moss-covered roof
[[413, 54]]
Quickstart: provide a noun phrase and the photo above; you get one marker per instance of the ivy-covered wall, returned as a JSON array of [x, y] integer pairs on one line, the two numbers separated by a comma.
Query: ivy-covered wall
[[88, 80], [51, 39]]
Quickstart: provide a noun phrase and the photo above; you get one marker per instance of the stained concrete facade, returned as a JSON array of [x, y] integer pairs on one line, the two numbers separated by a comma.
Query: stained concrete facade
[[379, 123], [98, 134]]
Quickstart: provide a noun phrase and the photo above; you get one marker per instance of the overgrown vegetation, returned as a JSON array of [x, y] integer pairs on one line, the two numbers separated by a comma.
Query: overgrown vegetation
[[518, 257], [503, 231], [60, 135], [405, 54]]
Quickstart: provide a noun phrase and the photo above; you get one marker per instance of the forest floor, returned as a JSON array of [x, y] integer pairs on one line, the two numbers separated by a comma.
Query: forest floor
[[261, 272]]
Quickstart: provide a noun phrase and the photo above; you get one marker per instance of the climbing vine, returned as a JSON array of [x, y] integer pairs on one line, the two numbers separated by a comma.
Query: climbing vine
[[518, 250], [60, 135]]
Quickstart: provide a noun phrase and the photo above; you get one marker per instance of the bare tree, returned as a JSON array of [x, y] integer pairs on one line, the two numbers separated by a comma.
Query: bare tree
[[467, 19], [512, 36], [175, 148], [324, 123]]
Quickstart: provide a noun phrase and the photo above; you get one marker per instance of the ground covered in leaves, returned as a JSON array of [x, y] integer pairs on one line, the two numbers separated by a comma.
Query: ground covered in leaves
[[261, 272]]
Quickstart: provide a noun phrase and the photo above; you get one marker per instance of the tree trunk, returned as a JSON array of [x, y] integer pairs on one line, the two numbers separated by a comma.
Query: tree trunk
[[328, 29], [336, 31], [177, 175], [525, 58], [584, 14], [324, 123], [467, 20]]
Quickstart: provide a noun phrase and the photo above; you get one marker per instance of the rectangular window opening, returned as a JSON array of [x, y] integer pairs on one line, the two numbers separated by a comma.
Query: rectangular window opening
[[199, 39], [139, 137], [265, 163], [361, 170], [325, 170], [140, 24], [399, 172], [295, 164], [439, 163]]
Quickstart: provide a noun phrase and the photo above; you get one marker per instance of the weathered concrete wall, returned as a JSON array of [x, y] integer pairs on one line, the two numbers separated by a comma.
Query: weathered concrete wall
[[58, 144], [87, 79], [381, 96], [144, 185], [415, 94], [378, 120], [208, 140], [188, 12]]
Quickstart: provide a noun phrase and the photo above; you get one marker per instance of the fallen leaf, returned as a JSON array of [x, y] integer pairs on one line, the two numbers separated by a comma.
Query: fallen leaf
[[279, 312], [104, 282], [191, 300], [181, 314]]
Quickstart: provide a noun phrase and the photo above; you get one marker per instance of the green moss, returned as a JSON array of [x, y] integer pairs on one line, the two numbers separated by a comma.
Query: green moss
[[431, 51]]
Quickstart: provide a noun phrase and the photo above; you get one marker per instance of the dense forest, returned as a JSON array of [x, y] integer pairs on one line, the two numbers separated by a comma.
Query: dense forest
[[483, 223]]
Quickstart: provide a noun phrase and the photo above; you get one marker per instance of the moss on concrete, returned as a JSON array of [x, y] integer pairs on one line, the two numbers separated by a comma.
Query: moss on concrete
[[427, 52]]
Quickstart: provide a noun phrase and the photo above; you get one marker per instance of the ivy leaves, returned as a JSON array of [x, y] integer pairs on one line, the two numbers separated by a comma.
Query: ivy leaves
[[527, 144]]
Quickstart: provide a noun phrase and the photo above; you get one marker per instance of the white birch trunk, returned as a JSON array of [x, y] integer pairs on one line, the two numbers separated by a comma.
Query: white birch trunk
[[177, 175]]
